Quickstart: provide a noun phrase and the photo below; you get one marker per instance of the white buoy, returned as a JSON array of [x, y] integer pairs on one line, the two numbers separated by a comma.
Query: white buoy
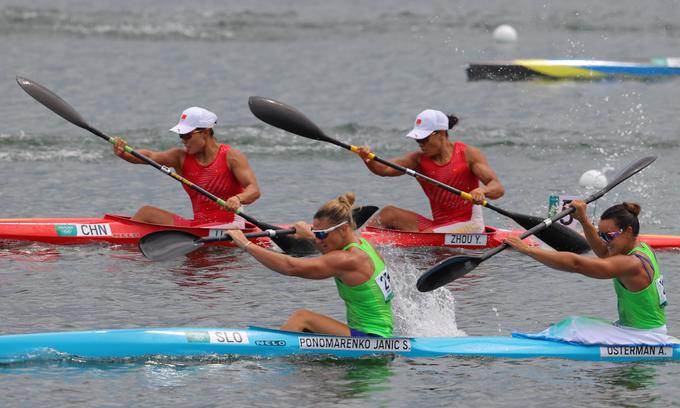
[[505, 33], [593, 179]]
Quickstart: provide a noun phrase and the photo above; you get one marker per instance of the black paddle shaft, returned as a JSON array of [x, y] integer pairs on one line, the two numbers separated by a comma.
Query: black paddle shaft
[[291, 120]]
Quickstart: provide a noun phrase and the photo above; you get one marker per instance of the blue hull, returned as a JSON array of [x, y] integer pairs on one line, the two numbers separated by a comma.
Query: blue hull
[[260, 342]]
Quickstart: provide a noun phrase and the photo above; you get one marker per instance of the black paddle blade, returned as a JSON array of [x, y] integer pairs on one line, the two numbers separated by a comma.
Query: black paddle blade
[[363, 214], [447, 271], [165, 245], [289, 245], [557, 236], [294, 246], [52, 101], [631, 170], [285, 117]]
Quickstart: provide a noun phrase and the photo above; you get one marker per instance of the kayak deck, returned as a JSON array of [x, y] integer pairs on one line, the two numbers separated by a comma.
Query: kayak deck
[[266, 343]]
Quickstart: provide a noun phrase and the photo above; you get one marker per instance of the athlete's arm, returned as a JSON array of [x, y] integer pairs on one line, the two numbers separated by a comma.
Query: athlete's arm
[[480, 168], [238, 163], [170, 158], [409, 160], [618, 266], [332, 264], [589, 230]]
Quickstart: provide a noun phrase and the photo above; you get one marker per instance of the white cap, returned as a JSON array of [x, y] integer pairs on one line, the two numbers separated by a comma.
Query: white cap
[[428, 121], [193, 118]]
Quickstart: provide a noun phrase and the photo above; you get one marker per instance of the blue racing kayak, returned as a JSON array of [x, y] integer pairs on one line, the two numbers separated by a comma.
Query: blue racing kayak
[[263, 343], [573, 69]]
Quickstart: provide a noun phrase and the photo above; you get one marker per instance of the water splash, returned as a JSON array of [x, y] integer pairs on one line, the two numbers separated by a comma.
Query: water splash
[[416, 313]]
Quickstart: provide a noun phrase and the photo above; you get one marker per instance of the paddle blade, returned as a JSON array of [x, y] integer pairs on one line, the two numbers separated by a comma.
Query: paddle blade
[[165, 245], [285, 117], [294, 246], [447, 271], [629, 171], [557, 236], [563, 238], [363, 214], [52, 101]]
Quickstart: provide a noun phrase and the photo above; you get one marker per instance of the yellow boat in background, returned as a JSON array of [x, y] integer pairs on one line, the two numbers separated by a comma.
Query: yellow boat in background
[[573, 69]]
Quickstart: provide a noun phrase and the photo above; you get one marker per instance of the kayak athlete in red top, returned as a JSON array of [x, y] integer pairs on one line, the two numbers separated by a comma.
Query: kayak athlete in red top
[[453, 163], [218, 168]]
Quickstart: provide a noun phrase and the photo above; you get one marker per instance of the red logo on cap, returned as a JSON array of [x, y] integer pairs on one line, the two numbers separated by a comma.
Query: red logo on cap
[[184, 116], [418, 121]]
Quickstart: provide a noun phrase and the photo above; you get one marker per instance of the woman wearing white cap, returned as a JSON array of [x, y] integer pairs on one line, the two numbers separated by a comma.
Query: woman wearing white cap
[[453, 163], [218, 168]]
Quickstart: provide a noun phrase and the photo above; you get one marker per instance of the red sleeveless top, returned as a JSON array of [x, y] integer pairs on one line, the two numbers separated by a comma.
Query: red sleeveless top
[[448, 207], [216, 178]]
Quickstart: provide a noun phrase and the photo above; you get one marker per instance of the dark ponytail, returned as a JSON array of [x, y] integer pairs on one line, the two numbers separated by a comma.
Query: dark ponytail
[[624, 215], [453, 121]]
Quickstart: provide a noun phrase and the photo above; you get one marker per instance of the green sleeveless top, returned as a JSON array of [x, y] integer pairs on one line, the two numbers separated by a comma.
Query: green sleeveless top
[[368, 305], [643, 309]]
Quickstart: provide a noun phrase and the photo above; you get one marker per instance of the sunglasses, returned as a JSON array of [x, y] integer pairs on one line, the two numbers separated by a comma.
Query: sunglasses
[[426, 139], [187, 136], [609, 236], [323, 234]]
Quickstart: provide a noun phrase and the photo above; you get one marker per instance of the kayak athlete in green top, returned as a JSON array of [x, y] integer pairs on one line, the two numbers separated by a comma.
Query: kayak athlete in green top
[[360, 275], [631, 264]]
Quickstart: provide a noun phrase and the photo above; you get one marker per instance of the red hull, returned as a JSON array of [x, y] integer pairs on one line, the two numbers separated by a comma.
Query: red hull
[[494, 238], [660, 241], [112, 229], [491, 238], [116, 229]]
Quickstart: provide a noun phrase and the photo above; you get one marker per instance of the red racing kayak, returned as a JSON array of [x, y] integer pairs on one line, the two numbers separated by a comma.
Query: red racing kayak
[[112, 229], [118, 229]]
